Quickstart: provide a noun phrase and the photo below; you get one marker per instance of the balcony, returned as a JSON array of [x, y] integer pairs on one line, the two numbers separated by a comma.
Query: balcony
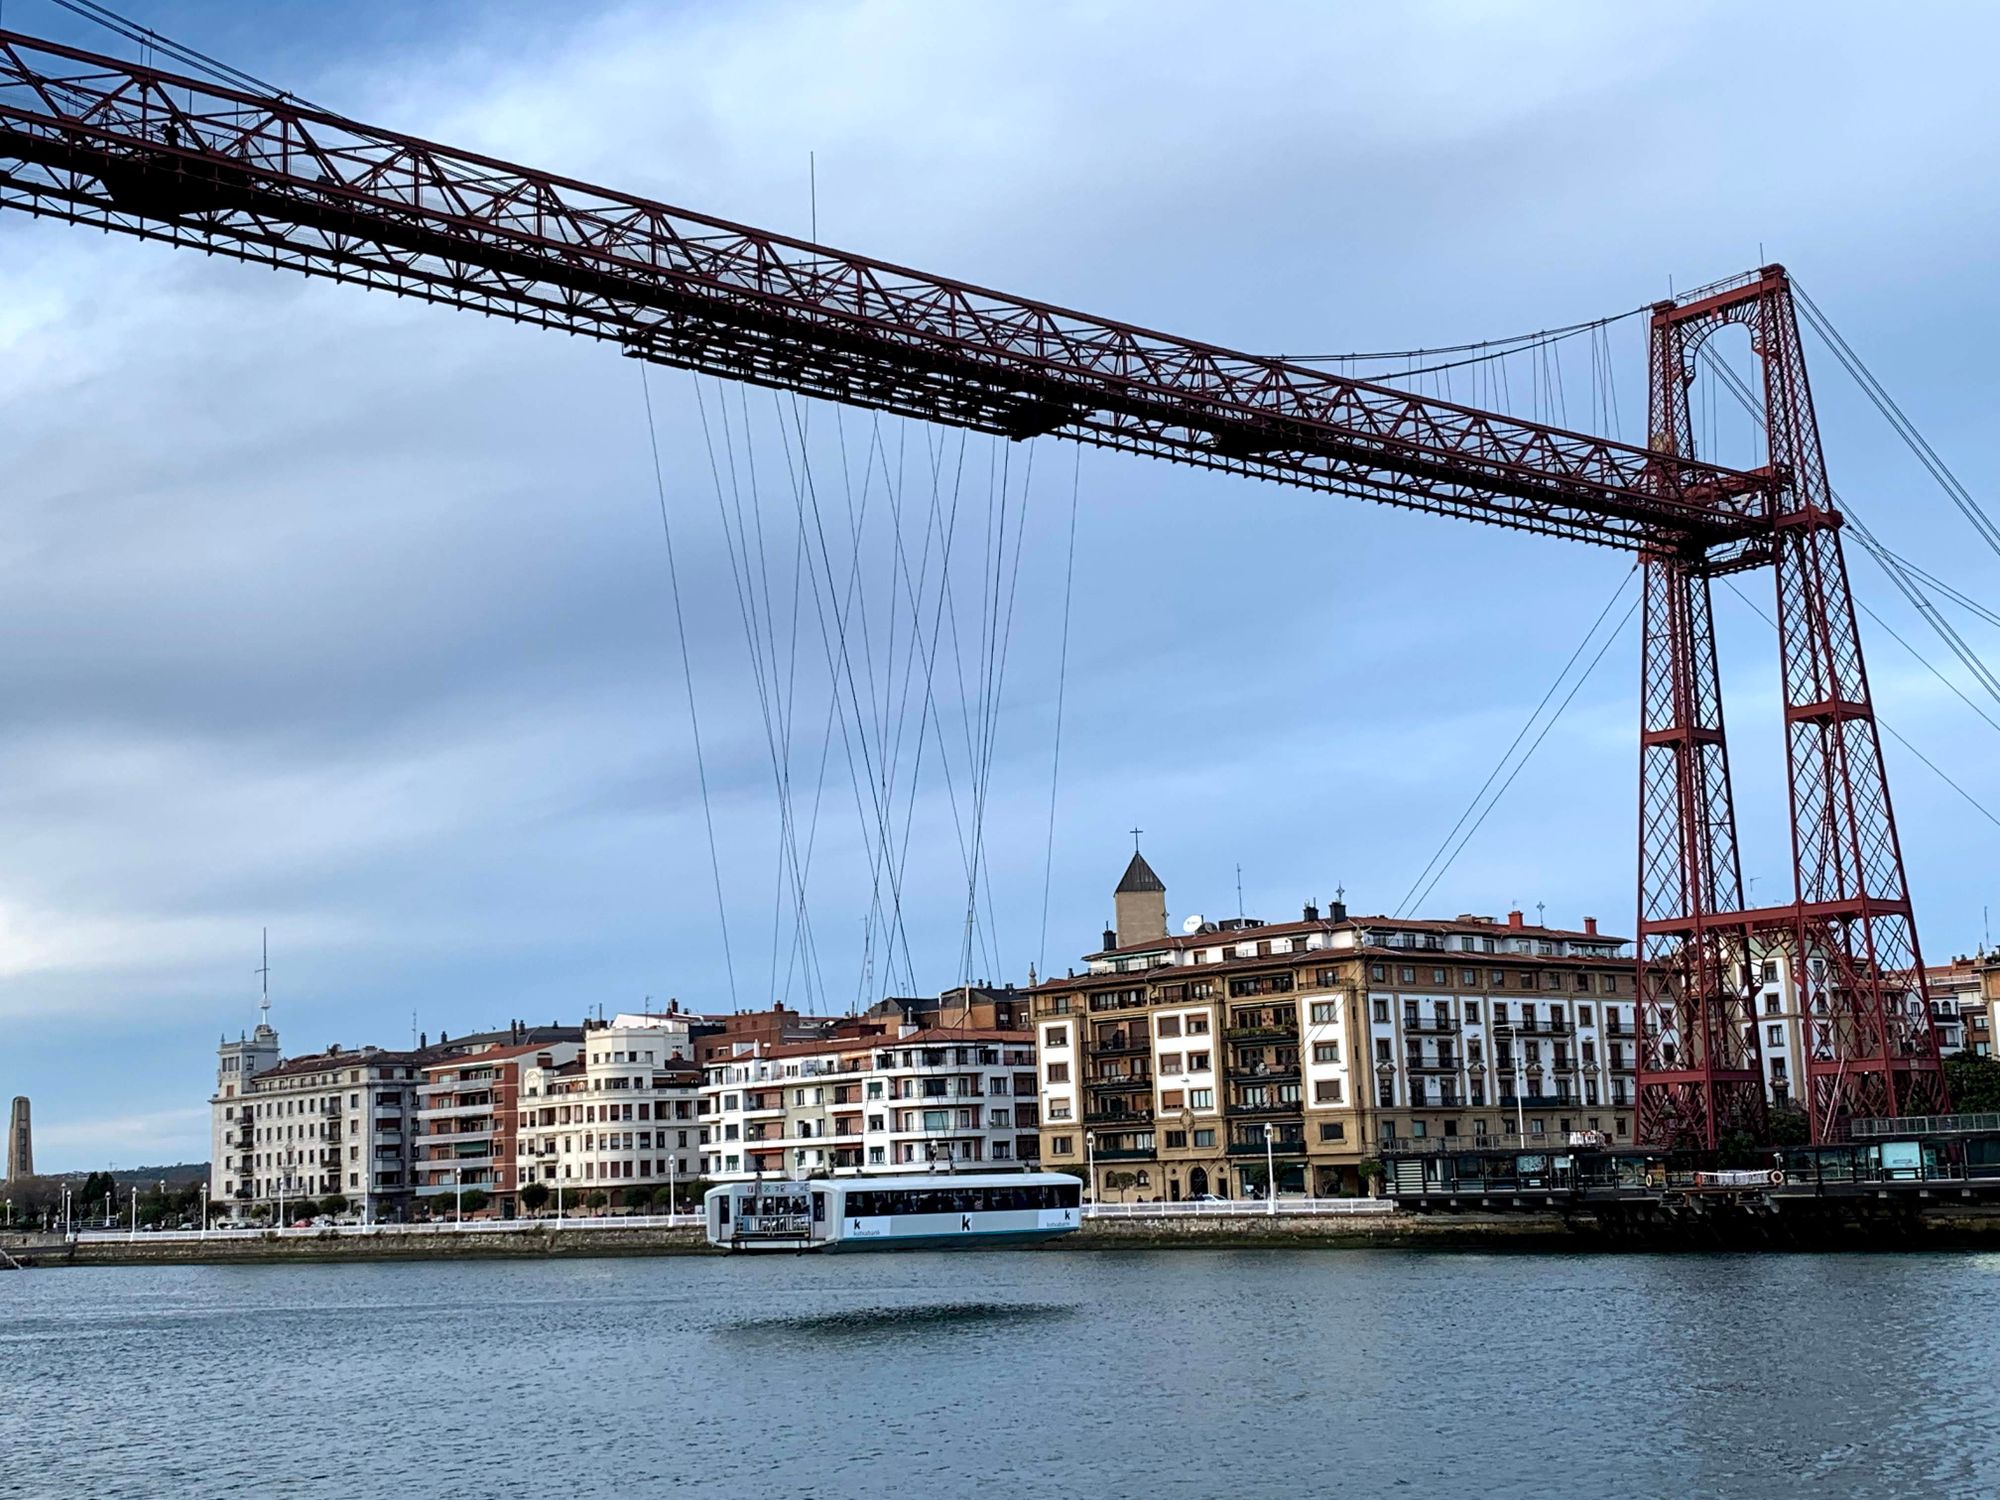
[[1121, 1043], [1279, 1071], [1268, 1107], [1268, 1030], [1122, 1153], [1432, 1025], [1283, 1146], [1420, 1064], [1139, 1085], [1115, 1118]]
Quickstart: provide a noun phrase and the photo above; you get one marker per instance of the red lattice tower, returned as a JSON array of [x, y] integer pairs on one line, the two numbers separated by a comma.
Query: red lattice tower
[[1848, 938]]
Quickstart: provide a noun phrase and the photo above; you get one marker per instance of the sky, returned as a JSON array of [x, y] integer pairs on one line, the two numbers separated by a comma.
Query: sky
[[354, 620]]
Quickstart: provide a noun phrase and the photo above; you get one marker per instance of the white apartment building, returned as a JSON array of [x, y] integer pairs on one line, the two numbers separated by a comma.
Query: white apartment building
[[332, 1122], [621, 1116], [906, 1101]]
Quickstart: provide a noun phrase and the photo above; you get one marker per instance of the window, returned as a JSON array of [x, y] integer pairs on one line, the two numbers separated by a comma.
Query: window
[[1198, 1025], [1322, 1013], [1059, 1072], [1056, 1036], [1438, 976], [1198, 1062], [1382, 1049], [1333, 1130], [1774, 1035], [1407, 974], [1496, 979], [1168, 1026], [1326, 1052], [1170, 1062], [1608, 983], [1059, 1145], [1382, 1011], [1472, 1012], [1201, 1098], [1172, 1099], [1176, 1140], [1378, 972], [1326, 978], [1204, 1138], [1326, 1091]]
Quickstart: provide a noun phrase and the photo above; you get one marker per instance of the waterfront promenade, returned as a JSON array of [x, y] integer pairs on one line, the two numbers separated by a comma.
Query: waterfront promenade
[[1315, 1224]]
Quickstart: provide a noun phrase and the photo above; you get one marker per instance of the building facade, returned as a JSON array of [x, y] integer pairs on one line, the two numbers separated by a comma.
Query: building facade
[[618, 1115], [896, 1101], [333, 1122], [343, 1121], [1211, 1061], [467, 1121]]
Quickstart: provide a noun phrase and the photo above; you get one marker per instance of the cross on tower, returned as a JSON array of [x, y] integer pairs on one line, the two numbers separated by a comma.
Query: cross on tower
[[1135, 839]]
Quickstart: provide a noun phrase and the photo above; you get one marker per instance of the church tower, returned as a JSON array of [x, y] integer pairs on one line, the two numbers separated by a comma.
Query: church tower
[[1140, 903]]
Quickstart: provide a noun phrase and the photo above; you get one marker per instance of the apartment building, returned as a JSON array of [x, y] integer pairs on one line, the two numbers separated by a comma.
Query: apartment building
[[341, 1121], [618, 1115], [331, 1122], [911, 1099], [467, 1122], [1205, 1062]]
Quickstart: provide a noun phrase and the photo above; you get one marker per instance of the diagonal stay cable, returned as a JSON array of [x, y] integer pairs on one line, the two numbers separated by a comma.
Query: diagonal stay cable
[[1554, 687], [1529, 754], [1977, 806]]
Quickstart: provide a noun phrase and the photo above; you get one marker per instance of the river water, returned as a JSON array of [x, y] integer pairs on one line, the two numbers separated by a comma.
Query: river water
[[1188, 1373]]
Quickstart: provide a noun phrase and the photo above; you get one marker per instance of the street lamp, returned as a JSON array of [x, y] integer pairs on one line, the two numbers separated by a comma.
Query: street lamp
[[1090, 1161], [458, 1194], [1270, 1169]]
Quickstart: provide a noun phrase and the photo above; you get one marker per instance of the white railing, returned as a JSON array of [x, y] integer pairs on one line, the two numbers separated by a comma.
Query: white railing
[[471, 1226], [1243, 1208]]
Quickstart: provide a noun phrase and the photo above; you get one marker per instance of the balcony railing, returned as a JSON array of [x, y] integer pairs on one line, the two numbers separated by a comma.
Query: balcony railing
[[1283, 1146], [1437, 1025], [1249, 1030]]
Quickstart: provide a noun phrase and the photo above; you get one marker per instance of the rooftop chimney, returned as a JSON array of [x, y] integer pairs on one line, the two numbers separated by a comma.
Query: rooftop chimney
[[1312, 911], [1110, 940], [1514, 919], [1590, 925], [1336, 911]]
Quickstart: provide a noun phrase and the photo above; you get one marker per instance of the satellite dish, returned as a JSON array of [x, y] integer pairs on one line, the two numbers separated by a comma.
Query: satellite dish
[[1192, 925]]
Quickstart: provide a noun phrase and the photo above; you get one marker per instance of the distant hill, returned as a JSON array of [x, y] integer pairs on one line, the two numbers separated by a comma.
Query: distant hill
[[180, 1171]]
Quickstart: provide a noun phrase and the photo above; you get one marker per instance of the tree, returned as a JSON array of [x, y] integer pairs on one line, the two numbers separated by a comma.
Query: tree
[[535, 1196], [1974, 1082], [597, 1200], [300, 1208], [1788, 1126], [1118, 1182], [334, 1203], [474, 1200]]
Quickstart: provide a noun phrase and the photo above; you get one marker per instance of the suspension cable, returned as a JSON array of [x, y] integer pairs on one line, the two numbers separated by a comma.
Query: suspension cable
[[1976, 804], [687, 675], [1890, 565], [1445, 852], [1969, 507], [1062, 681]]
